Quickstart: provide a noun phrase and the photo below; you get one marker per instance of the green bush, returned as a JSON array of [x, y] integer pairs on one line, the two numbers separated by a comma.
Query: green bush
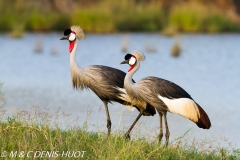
[[108, 16], [140, 17], [93, 19], [198, 18]]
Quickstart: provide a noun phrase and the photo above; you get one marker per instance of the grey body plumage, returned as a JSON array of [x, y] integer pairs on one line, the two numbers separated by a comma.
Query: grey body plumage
[[164, 95], [106, 82], [101, 80]]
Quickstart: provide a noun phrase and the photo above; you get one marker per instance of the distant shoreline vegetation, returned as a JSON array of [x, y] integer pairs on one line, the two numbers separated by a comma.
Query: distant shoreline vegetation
[[105, 16]]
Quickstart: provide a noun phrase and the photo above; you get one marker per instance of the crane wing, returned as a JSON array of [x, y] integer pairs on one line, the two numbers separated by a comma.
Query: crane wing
[[110, 75], [176, 99], [165, 88], [111, 84]]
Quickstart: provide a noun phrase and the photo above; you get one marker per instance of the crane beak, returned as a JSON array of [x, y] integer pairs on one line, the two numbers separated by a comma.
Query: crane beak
[[64, 38], [124, 62]]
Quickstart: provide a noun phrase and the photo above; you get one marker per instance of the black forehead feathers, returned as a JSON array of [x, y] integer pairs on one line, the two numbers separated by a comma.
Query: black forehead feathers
[[128, 56], [67, 32]]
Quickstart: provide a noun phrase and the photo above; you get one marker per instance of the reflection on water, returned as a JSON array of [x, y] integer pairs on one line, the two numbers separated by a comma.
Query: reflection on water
[[208, 68]]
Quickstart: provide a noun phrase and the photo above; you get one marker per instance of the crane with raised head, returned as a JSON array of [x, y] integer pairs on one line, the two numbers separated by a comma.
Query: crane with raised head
[[162, 94], [106, 82]]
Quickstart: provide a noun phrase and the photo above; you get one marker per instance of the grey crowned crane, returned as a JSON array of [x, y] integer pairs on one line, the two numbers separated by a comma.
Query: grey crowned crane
[[164, 95], [105, 82]]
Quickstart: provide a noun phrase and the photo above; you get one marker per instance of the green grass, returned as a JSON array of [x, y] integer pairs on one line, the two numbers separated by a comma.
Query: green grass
[[36, 133], [19, 136], [38, 130]]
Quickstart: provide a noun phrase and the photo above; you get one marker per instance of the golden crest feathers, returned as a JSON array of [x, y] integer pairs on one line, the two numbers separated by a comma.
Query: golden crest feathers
[[79, 32], [139, 55]]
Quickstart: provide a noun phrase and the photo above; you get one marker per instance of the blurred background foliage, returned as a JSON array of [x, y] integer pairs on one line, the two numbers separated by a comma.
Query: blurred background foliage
[[105, 16]]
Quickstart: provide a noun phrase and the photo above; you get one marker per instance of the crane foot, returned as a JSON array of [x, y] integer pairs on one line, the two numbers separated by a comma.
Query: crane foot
[[127, 136]]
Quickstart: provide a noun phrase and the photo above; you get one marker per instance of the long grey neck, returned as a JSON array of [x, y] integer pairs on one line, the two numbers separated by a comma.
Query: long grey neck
[[73, 63], [77, 73], [128, 78]]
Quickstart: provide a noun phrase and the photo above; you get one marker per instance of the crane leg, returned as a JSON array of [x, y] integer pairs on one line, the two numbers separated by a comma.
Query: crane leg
[[161, 128], [109, 123], [167, 130], [128, 132]]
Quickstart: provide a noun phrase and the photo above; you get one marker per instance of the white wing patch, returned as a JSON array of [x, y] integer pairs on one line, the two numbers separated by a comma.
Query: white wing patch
[[131, 108], [182, 106], [126, 98]]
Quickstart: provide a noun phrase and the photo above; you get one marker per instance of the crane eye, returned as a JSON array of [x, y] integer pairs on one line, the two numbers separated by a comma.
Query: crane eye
[[72, 37], [132, 60]]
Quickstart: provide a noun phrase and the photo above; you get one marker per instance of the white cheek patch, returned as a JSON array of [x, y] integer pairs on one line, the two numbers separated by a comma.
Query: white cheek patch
[[132, 61], [72, 37]]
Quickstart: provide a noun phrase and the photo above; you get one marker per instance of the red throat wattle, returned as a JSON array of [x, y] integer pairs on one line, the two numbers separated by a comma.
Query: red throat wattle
[[71, 45], [131, 67]]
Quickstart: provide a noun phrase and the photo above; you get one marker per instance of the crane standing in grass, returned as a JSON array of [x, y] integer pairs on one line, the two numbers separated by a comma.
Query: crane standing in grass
[[164, 95], [105, 82]]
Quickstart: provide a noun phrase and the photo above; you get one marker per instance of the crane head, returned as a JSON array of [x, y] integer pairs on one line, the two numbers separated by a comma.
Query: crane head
[[71, 35], [131, 60]]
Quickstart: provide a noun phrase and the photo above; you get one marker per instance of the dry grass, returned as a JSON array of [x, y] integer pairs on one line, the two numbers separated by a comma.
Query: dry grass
[[176, 49]]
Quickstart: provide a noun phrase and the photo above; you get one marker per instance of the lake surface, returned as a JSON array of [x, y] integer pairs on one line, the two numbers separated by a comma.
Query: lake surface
[[35, 71]]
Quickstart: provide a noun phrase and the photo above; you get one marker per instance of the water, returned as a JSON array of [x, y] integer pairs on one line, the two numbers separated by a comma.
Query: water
[[208, 69]]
